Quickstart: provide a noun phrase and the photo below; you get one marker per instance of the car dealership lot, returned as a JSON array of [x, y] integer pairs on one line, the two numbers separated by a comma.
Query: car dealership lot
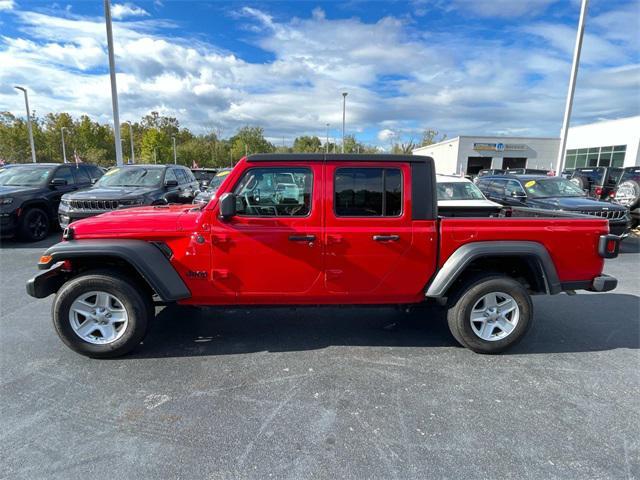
[[324, 393]]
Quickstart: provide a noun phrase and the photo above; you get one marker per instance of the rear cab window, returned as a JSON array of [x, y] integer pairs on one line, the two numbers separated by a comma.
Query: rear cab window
[[367, 192]]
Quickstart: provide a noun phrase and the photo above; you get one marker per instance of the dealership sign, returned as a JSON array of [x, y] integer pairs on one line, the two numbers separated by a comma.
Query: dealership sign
[[499, 147]]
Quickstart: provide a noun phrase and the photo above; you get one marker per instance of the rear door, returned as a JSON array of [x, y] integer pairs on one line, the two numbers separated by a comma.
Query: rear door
[[368, 228]]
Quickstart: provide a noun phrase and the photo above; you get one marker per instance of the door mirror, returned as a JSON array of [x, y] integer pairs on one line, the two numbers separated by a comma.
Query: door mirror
[[171, 183], [58, 182], [93, 181], [227, 206], [518, 195]]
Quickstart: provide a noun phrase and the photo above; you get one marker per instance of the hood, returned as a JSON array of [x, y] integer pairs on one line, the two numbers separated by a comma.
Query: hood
[[109, 193], [8, 190], [572, 203], [149, 222]]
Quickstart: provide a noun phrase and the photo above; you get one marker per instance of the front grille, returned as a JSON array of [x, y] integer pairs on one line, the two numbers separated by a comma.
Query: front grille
[[608, 214], [94, 204]]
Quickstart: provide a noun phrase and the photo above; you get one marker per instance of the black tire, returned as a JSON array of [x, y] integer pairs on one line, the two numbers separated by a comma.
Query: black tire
[[469, 294], [35, 225], [581, 182], [139, 308]]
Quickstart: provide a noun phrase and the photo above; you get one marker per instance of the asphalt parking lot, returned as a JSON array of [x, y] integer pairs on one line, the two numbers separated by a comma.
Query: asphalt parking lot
[[324, 393]]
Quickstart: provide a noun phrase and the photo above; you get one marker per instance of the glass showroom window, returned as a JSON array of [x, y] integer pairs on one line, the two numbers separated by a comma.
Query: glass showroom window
[[611, 156]]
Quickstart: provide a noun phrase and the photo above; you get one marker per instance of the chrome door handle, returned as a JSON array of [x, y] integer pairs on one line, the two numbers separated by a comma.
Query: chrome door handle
[[386, 238]]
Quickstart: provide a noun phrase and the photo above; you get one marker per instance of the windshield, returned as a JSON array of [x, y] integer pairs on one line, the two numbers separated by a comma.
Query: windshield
[[215, 183], [24, 176], [459, 191], [552, 187], [131, 177], [202, 175]]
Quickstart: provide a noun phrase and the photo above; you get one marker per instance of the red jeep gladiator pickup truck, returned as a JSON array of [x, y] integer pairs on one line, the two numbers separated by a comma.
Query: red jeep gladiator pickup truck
[[316, 229]]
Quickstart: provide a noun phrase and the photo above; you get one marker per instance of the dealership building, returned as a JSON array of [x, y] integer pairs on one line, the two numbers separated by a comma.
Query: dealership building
[[613, 143]]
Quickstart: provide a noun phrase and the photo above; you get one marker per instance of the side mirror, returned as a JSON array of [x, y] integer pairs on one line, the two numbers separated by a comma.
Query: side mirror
[[227, 206], [93, 181], [515, 194], [171, 183], [58, 182]]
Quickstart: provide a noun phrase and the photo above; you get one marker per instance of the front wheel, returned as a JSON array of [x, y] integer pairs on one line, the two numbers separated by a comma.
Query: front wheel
[[490, 314], [100, 315]]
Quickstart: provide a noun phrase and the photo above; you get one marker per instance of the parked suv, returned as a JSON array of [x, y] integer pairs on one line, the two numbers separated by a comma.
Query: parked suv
[[597, 182], [204, 176], [552, 193], [212, 188], [30, 194], [130, 186], [627, 192]]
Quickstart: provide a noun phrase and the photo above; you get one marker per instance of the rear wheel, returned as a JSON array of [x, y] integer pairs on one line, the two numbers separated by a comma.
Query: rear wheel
[[490, 314], [101, 315], [35, 225]]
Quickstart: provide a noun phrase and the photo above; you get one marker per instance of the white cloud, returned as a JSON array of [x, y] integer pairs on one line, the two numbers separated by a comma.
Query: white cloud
[[123, 10], [7, 5], [397, 81]]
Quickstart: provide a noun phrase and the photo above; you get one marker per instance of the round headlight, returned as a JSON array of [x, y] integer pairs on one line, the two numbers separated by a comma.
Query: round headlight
[[627, 193]]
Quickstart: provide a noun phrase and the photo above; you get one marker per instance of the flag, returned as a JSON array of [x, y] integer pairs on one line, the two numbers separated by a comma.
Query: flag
[[76, 157], [194, 165]]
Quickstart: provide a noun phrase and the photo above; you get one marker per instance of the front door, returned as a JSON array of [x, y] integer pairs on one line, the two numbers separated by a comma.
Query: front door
[[271, 251], [368, 228]]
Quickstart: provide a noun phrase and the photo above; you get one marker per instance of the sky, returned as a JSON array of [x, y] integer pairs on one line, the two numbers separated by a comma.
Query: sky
[[462, 67]]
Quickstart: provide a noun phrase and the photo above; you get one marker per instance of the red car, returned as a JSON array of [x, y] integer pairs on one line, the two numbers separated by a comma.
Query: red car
[[310, 229]]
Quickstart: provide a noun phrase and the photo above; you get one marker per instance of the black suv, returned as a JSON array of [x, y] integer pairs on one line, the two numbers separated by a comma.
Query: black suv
[[204, 196], [627, 192], [552, 193], [30, 194], [204, 175], [597, 182], [130, 186]]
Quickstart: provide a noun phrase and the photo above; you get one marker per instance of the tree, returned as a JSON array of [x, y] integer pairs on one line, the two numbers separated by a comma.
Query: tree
[[306, 144], [249, 140], [429, 137]]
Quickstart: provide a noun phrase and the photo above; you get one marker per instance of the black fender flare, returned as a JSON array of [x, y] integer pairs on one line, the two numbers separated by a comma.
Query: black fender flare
[[146, 258], [463, 256]]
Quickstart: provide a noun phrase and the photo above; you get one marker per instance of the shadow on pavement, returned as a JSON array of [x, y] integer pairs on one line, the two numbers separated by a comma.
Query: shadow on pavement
[[9, 243], [631, 244], [580, 323]]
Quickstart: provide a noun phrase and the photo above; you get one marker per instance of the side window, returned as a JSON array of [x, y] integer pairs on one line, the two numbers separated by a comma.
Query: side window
[[497, 188], [190, 176], [368, 192], [182, 177], [65, 173], [513, 189], [94, 172], [170, 175], [82, 174], [274, 192]]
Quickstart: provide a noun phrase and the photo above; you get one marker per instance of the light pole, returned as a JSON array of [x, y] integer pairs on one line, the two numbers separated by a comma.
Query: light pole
[[155, 155], [26, 104], [175, 156], [114, 88], [326, 146], [64, 150], [133, 155], [344, 106], [572, 88]]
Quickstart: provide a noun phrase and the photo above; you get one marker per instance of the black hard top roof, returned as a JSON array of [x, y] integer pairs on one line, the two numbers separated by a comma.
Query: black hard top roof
[[336, 157]]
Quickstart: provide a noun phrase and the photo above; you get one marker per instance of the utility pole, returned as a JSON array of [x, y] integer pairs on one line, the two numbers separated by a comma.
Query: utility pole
[[133, 154], [344, 108], [572, 88], [114, 88], [64, 151], [29, 128], [155, 155], [326, 146], [175, 155]]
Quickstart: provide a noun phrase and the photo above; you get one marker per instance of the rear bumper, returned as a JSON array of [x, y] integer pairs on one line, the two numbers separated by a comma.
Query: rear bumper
[[603, 283]]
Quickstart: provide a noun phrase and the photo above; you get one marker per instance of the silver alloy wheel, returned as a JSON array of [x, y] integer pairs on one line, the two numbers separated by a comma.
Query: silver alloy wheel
[[98, 317], [494, 316]]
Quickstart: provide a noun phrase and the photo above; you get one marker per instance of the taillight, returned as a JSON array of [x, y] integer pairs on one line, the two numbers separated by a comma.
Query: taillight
[[611, 246], [599, 191], [608, 246]]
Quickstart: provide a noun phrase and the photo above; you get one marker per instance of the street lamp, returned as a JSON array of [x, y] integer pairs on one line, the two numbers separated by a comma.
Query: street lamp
[[26, 103], [64, 151], [133, 155], [175, 156], [326, 145], [344, 105], [114, 88]]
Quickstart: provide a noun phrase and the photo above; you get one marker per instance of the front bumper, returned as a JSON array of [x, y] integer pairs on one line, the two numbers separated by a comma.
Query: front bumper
[[47, 282], [65, 217]]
